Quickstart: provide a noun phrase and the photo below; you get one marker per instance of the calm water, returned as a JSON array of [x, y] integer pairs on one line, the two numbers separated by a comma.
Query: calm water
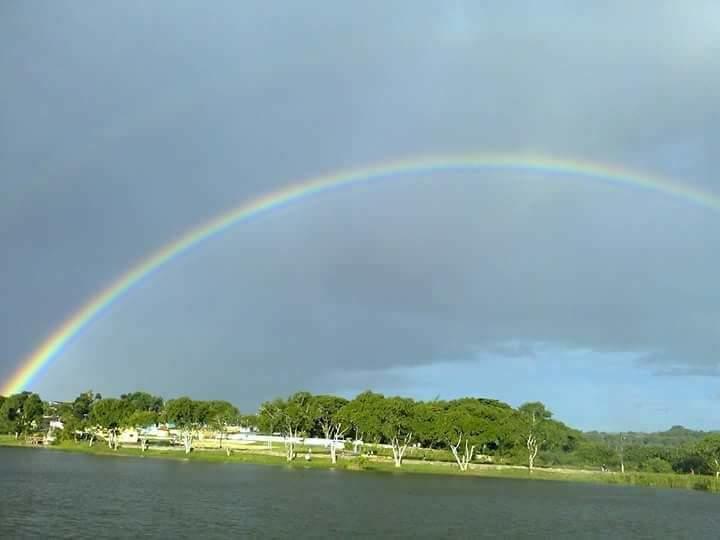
[[52, 494]]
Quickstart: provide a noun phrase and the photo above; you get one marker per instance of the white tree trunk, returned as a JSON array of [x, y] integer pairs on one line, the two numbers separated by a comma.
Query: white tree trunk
[[399, 447], [331, 435], [464, 459], [336, 433], [290, 445], [187, 441], [111, 439], [533, 447]]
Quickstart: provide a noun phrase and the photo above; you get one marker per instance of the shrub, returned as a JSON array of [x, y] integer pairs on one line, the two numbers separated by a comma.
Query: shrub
[[656, 465]]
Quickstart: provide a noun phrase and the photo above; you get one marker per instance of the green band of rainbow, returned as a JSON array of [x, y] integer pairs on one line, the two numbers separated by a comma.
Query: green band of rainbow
[[53, 346]]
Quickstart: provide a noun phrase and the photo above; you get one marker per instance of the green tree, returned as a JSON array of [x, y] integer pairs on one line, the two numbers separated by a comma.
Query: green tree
[[463, 426], [21, 413], [188, 416], [142, 401], [709, 449], [428, 430], [398, 419], [364, 416], [110, 415], [656, 465], [534, 415], [83, 404], [250, 421], [690, 461], [328, 422], [222, 414], [292, 417], [139, 420]]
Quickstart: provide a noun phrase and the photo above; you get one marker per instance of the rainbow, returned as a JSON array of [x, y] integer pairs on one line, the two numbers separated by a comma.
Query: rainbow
[[54, 344]]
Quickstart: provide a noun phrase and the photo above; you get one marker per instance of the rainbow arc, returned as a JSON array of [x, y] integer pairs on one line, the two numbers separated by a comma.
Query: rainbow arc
[[52, 347]]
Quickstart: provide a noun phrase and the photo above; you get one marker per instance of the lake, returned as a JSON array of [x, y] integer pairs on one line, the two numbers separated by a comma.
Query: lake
[[45, 493]]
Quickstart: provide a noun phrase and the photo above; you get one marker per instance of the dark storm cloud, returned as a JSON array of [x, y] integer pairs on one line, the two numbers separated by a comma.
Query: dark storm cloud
[[125, 126]]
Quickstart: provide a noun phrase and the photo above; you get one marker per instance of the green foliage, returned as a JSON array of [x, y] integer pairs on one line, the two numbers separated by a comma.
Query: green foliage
[[326, 412], [483, 423], [292, 417], [656, 465], [691, 462], [140, 419], [675, 437], [535, 409], [492, 427], [142, 401], [591, 453], [108, 413], [83, 403], [364, 415], [21, 413], [221, 414], [249, 420], [709, 450], [186, 413], [397, 418]]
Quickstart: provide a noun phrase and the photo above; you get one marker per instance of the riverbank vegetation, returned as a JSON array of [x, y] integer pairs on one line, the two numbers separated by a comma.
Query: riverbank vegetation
[[471, 436], [380, 465]]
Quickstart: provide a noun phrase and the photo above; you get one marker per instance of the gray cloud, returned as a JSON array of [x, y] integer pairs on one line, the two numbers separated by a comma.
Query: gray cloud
[[125, 127]]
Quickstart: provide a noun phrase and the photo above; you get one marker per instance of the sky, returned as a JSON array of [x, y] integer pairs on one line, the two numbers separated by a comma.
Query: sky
[[124, 124]]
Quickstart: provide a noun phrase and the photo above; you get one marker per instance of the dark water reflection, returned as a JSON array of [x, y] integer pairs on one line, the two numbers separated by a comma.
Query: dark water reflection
[[52, 494]]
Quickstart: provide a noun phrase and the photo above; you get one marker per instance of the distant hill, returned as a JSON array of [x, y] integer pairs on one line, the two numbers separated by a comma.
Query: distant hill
[[674, 437]]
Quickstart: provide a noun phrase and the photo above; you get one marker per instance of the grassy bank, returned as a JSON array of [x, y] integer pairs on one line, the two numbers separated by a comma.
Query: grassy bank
[[380, 464]]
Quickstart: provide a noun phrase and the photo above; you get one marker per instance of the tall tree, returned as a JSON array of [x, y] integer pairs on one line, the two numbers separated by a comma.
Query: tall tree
[[462, 427], [534, 415], [398, 419], [292, 417], [428, 427], [328, 420], [222, 414], [249, 421], [364, 417], [188, 416], [109, 414], [21, 413], [142, 401], [139, 420], [709, 450], [83, 403]]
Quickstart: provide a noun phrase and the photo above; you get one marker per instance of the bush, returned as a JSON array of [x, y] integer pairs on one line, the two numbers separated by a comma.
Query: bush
[[692, 464], [656, 465], [357, 464]]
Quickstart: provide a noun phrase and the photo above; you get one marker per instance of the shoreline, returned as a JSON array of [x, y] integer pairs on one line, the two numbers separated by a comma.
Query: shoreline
[[360, 464]]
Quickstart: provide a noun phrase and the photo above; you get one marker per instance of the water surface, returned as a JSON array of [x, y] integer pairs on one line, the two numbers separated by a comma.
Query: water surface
[[45, 493]]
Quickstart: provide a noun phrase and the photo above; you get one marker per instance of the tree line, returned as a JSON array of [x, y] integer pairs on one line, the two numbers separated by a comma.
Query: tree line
[[461, 430]]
